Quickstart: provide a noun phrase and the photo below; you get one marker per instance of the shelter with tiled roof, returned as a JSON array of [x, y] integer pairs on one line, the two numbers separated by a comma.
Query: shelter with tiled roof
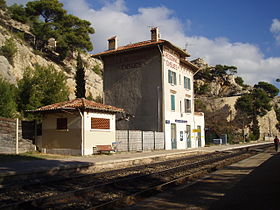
[[76, 127], [153, 81]]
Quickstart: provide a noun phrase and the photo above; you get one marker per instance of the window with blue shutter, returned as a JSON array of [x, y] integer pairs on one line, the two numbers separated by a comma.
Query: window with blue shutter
[[173, 102], [172, 77], [187, 83]]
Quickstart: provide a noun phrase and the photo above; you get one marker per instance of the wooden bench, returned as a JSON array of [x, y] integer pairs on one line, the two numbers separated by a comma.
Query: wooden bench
[[104, 148]]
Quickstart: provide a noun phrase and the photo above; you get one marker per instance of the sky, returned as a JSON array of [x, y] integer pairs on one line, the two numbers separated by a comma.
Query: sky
[[243, 33]]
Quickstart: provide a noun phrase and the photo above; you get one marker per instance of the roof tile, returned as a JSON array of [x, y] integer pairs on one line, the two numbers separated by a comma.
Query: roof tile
[[79, 103]]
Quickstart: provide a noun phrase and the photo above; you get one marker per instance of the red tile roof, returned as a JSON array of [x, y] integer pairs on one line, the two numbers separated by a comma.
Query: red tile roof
[[79, 103], [143, 44]]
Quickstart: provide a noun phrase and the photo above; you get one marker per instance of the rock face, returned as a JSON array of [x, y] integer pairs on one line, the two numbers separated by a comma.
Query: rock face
[[220, 87], [26, 57], [222, 93]]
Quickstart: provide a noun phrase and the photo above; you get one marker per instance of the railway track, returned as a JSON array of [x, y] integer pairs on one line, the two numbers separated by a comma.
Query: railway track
[[101, 190]]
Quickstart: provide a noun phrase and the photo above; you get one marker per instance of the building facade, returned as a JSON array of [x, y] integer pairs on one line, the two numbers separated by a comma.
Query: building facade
[[76, 127], [153, 82]]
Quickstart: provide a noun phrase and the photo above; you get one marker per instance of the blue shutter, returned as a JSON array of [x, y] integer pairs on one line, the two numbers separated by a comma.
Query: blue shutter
[[173, 102], [189, 83], [170, 76]]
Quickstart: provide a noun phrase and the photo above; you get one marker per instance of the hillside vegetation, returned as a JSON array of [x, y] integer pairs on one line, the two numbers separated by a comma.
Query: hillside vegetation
[[40, 45], [231, 107]]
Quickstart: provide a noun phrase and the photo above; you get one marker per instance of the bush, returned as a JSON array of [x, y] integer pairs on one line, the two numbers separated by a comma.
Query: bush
[[97, 69], [9, 50], [7, 99], [40, 87]]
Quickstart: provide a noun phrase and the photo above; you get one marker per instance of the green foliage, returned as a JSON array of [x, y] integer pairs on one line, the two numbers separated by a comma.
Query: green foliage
[[203, 89], [270, 89], [3, 4], [7, 99], [221, 70], [255, 129], [98, 99], [204, 74], [277, 111], [70, 32], [255, 103], [9, 50], [18, 13], [80, 79], [239, 81], [96, 69], [40, 87], [199, 105]]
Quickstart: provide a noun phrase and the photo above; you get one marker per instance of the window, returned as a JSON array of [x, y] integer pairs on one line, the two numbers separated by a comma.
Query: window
[[188, 106], [187, 83], [172, 77], [61, 123], [100, 123], [173, 102]]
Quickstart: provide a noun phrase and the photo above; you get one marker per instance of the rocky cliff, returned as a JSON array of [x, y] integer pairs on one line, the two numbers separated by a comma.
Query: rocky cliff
[[218, 103], [26, 57]]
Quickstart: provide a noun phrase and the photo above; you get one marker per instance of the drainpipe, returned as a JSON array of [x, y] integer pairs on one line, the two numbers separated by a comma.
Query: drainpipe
[[82, 133]]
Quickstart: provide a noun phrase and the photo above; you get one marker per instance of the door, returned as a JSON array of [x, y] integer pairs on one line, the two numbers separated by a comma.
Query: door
[[173, 136], [199, 135], [188, 136]]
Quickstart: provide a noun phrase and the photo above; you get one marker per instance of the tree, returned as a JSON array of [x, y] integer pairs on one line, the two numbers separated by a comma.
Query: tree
[[3, 4], [278, 80], [80, 79], [49, 10], [239, 81], [70, 32], [7, 99], [18, 13], [270, 89], [254, 104], [221, 70], [39, 87]]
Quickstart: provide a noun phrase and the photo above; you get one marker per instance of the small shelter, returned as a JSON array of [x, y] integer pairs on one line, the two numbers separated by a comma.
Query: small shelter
[[76, 127]]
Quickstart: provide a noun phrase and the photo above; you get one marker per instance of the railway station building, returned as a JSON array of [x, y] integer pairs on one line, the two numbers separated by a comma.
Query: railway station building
[[153, 81], [76, 127]]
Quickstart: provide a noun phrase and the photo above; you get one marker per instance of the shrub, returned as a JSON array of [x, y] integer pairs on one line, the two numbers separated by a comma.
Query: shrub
[[97, 69], [7, 99], [9, 50]]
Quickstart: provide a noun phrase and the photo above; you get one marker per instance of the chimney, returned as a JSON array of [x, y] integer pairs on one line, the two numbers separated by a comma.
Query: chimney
[[154, 34], [112, 43]]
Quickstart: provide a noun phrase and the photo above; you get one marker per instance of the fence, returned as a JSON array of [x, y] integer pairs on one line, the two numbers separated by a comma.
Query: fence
[[132, 140], [8, 135]]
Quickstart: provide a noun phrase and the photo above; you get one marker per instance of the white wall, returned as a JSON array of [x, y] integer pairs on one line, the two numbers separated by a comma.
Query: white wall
[[93, 137], [179, 117]]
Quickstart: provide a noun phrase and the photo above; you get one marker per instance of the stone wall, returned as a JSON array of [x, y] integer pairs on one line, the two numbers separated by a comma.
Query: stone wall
[[8, 137]]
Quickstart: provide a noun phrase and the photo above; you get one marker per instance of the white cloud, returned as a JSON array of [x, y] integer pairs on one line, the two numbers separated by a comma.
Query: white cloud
[[275, 29]]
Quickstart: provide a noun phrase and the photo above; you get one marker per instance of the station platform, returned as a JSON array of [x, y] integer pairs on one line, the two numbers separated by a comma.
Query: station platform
[[252, 183], [105, 162]]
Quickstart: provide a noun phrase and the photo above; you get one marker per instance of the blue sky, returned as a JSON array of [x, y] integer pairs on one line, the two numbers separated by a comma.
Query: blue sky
[[244, 33]]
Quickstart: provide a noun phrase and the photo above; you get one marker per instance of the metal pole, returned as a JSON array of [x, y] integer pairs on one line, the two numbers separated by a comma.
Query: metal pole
[[17, 136]]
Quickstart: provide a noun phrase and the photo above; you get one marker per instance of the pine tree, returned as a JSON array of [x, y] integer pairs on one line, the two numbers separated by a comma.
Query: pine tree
[[80, 78]]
